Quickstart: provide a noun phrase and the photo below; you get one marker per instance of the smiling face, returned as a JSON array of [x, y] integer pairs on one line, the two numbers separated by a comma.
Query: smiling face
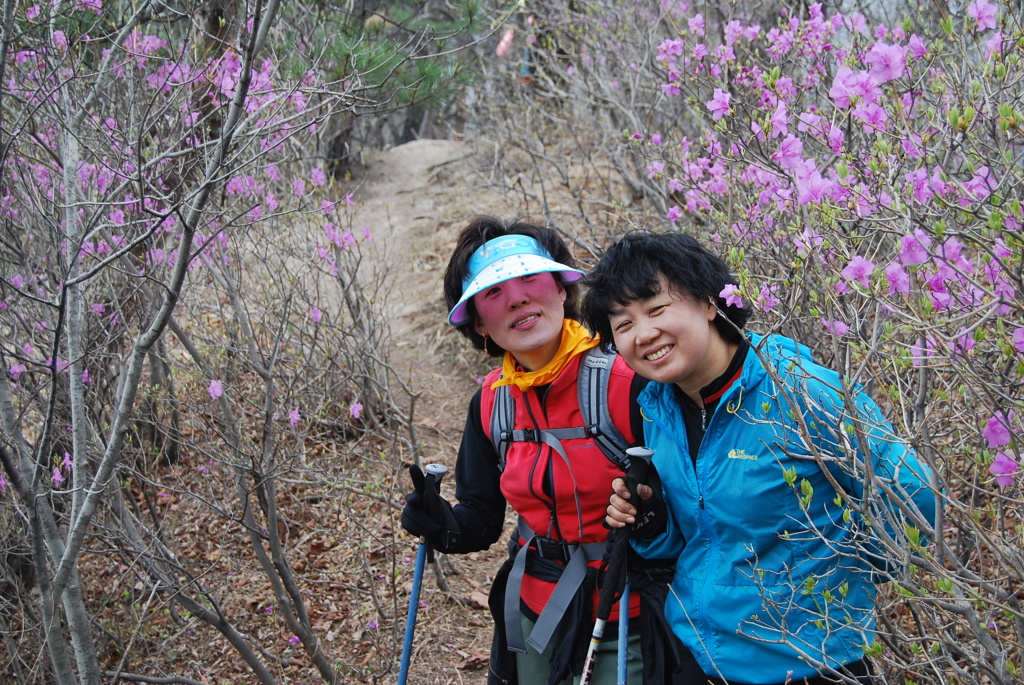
[[524, 316], [669, 338]]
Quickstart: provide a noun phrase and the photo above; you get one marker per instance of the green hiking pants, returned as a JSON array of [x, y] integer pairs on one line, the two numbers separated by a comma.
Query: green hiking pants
[[533, 667]]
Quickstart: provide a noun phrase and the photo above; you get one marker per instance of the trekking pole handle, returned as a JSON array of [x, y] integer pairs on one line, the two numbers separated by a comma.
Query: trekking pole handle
[[436, 473], [645, 453]]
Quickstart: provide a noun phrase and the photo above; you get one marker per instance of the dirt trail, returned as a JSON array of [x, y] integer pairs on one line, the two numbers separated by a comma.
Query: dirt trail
[[415, 198]]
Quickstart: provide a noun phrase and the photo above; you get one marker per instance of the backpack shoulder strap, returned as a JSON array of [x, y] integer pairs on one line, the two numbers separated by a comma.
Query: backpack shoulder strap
[[595, 372], [594, 375], [503, 418]]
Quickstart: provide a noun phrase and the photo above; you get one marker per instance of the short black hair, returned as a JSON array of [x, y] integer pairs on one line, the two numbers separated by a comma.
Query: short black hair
[[628, 271], [479, 231]]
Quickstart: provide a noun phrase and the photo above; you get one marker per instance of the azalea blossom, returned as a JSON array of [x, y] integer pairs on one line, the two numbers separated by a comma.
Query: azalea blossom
[[887, 62], [995, 432], [294, 417], [860, 270], [899, 280], [1004, 467], [790, 153], [355, 410], [836, 327], [718, 105], [914, 248], [767, 300], [216, 389], [984, 12], [731, 293]]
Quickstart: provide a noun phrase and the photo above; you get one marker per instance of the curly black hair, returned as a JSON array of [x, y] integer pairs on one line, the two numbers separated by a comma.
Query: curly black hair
[[629, 270]]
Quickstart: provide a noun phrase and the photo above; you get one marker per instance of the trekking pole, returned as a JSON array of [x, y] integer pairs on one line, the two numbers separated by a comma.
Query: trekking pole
[[623, 634], [435, 472], [615, 575]]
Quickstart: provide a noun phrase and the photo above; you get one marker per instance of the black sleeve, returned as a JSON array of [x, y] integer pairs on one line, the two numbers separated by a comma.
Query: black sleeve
[[480, 512], [636, 419]]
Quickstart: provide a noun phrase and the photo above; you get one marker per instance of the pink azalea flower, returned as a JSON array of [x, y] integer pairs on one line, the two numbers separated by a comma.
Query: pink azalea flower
[[293, 640], [811, 186], [979, 187], [718, 105], [674, 213], [315, 314], [916, 46], [921, 350], [767, 300], [731, 293], [996, 432], [655, 139], [921, 188], [837, 327], [790, 154], [1004, 467], [808, 121], [298, 187], [67, 461], [872, 115], [994, 45], [16, 370], [696, 23], [294, 417], [914, 248], [887, 62], [60, 40], [899, 281], [808, 241], [317, 177], [1018, 340], [835, 139], [355, 410], [984, 12], [675, 185], [216, 389], [779, 121], [655, 168], [58, 477]]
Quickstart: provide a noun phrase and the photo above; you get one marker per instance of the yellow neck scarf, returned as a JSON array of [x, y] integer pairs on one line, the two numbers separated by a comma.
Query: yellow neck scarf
[[575, 340]]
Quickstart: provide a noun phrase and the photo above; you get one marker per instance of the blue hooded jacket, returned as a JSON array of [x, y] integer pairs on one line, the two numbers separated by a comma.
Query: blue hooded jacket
[[774, 575]]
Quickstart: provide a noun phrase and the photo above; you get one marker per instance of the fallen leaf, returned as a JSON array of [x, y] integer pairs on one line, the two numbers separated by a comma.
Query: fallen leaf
[[474, 662]]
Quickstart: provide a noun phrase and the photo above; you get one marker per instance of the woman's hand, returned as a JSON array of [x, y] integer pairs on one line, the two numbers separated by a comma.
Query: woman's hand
[[648, 516], [620, 511]]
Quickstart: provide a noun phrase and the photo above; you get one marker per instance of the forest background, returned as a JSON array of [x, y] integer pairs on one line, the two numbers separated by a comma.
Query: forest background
[[222, 341]]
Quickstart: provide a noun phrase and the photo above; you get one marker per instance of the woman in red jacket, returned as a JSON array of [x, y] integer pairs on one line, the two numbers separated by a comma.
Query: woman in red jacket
[[511, 288]]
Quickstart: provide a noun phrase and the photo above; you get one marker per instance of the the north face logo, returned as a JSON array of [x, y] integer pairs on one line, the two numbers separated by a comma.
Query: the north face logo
[[740, 454]]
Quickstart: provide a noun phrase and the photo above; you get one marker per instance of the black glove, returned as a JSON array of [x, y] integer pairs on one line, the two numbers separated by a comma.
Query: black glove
[[651, 514], [427, 514]]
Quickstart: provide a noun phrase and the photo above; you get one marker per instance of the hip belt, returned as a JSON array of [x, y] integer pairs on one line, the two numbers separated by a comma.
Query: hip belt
[[574, 556]]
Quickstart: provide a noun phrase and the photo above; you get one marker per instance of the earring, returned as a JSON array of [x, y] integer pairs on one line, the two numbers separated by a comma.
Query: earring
[[486, 351]]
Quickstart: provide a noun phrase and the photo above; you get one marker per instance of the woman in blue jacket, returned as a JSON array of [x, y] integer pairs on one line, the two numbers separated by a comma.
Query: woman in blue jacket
[[783, 485]]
